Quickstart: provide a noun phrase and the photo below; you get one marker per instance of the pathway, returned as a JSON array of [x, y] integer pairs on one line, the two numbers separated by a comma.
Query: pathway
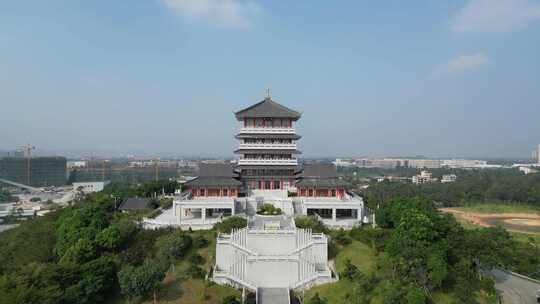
[[514, 288]]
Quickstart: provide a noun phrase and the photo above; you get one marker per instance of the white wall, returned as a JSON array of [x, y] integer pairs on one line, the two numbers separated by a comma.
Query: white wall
[[272, 273], [272, 244]]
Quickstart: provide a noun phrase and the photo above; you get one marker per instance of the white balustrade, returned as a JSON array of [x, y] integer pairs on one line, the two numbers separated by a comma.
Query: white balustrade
[[248, 161], [267, 146], [251, 130]]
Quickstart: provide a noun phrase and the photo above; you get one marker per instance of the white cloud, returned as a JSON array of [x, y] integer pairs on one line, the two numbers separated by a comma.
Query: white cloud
[[495, 15], [226, 13], [463, 63]]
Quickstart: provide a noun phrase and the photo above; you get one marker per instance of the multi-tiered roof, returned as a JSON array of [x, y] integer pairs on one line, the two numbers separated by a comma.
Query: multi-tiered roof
[[267, 145], [267, 159]]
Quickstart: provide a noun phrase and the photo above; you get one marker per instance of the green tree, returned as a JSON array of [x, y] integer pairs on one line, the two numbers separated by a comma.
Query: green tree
[[173, 246], [81, 252], [415, 296], [109, 238], [77, 223], [140, 281], [97, 279]]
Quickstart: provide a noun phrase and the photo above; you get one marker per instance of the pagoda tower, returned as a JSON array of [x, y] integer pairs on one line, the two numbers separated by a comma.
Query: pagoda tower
[[267, 146]]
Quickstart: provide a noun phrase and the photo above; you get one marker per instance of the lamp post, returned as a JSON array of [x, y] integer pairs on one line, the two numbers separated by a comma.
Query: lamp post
[[114, 197]]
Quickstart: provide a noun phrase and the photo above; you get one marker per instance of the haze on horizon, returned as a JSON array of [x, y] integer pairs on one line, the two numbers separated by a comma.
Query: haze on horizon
[[436, 78]]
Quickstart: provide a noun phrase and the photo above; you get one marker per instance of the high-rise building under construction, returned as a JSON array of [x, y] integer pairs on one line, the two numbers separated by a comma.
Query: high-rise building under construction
[[37, 172]]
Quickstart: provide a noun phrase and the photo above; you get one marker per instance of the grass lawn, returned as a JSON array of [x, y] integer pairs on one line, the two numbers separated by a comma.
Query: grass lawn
[[360, 255], [500, 208], [526, 237]]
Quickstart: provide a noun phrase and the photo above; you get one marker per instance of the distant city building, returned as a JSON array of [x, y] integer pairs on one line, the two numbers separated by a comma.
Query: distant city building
[[488, 166], [72, 164], [425, 163], [385, 163], [448, 178], [417, 163], [90, 187], [152, 163], [339, 162], [538, 154], [36, 172], [463, 163], [528, 170], [424, 177]]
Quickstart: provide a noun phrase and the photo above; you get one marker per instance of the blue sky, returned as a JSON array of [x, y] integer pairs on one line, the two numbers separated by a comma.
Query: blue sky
[[372, 78]]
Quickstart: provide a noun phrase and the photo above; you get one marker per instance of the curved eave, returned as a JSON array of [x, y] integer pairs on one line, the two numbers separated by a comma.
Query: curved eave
[[322, 183], [267, 108], [213, 182], [262, 115]]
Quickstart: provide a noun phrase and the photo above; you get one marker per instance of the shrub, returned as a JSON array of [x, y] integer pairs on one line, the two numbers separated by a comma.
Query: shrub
[[230, 300], [233, 222], [377, 238], [350, 271], [155, 213], [332, 250], [35, 199], [342, 238], [166, 203], [196, 259], [200, 241], [269, 209], [316, 299], [195, 272], [312, 223]]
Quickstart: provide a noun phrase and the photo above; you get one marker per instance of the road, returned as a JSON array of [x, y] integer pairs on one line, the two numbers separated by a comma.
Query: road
[[33, 189], [514, 289]]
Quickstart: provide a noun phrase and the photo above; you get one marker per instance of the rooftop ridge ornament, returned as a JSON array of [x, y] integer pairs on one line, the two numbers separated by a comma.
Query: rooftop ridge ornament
[[268, 93]]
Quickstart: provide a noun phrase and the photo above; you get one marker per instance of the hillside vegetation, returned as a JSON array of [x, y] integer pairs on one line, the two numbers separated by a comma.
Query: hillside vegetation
[[88, 253]]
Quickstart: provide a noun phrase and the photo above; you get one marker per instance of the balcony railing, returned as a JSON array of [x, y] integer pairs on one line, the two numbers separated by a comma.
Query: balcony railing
[[268, 146], [268, 130], [246, 161]]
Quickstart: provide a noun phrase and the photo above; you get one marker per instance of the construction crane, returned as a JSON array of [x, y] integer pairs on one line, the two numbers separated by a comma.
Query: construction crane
[[104, 169], [156, 168], [28, 154]]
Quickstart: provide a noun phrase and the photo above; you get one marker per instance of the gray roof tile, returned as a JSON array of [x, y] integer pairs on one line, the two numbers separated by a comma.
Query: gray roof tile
[[319, 171], [136, 203], [267, 108], [214, 181]]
